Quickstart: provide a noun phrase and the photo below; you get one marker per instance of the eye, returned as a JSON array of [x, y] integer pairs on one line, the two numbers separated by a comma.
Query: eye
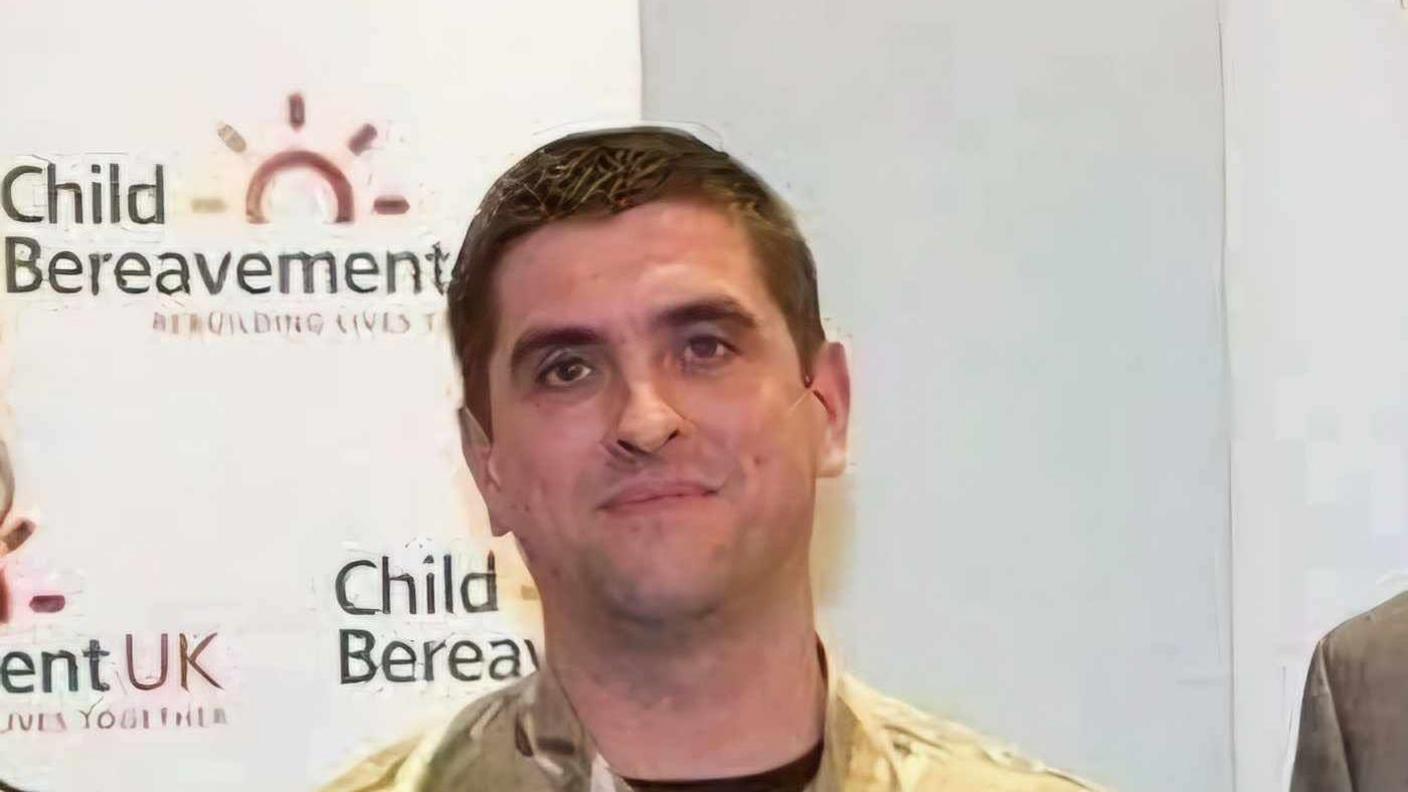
[[564, 373], [706, 349]]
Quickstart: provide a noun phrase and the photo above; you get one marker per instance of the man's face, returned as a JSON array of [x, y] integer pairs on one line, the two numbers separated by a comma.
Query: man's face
[[654, 447]]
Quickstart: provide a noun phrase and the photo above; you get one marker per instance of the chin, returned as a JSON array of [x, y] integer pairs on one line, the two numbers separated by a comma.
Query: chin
[[664, 602]]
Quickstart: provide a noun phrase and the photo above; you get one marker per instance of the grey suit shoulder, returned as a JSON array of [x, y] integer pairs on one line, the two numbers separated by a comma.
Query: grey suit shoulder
[[1354, 711]]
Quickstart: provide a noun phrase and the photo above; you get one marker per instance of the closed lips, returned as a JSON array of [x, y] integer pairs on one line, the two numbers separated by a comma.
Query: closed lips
[[648, 493]]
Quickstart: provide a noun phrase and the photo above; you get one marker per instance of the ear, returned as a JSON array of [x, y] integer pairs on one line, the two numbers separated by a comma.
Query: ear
[[831, 382], [478, 452]]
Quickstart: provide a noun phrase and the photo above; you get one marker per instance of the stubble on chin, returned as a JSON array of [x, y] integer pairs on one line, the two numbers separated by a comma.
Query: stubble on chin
[[655, 597]]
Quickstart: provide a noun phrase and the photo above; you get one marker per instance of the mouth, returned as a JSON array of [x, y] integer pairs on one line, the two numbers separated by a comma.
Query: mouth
[[655, 495]]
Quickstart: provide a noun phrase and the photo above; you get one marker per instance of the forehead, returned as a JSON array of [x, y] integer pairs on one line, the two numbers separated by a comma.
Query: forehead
[[605, 271]]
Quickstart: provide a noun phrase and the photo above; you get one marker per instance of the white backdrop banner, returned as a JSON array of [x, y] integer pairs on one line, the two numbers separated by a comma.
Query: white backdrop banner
[[227, 386]]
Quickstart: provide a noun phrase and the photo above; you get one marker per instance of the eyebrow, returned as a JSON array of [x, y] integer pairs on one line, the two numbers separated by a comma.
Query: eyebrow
[[542, 338], [718, 309]]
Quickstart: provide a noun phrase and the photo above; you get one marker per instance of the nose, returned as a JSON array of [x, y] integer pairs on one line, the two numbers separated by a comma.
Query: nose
[[647, 422]]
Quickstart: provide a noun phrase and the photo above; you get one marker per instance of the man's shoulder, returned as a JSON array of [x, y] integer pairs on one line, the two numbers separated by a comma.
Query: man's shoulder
[[1379, 636], [401, 766], [375, 773], [934, 753]]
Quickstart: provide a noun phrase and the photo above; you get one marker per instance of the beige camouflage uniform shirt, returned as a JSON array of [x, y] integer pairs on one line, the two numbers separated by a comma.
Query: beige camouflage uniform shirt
[[526, 738]]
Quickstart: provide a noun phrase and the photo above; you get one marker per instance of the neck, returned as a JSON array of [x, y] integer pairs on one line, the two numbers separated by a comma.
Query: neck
[[670, 707]]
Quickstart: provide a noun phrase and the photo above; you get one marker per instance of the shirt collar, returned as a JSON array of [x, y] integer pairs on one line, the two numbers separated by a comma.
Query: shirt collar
[[549, 733]]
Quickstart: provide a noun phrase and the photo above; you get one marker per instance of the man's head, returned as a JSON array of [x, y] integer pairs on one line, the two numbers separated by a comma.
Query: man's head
[[649, 393]]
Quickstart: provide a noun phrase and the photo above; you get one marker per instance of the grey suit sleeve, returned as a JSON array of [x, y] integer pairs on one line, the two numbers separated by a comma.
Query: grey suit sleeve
[[1321, 764]]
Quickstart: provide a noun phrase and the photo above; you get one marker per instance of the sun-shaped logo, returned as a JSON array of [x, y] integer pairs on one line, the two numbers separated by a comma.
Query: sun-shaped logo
[[301, 159], [12, 535]]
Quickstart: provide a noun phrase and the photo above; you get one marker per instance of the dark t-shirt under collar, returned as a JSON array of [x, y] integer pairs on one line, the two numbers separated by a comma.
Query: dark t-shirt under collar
[[790, 777]]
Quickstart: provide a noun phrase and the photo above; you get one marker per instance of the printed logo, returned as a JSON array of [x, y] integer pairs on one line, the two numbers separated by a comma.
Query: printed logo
[[301, 159], [59, 670], [12, 535], [55, 255]]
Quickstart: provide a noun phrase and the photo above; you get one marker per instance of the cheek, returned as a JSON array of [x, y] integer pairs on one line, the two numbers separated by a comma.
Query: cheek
[[541, 473], [771, 449], [534, 519], [530, 490]]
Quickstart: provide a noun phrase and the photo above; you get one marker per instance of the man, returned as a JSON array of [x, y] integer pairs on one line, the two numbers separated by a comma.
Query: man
[[1354, 713], [649, 401]]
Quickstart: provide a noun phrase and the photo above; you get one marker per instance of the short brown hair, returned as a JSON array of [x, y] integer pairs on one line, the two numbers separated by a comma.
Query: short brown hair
[[601, 173]]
